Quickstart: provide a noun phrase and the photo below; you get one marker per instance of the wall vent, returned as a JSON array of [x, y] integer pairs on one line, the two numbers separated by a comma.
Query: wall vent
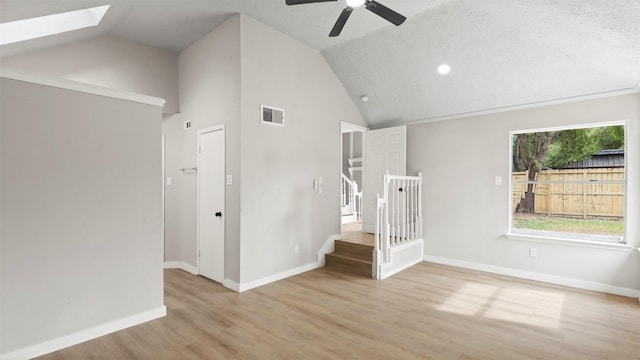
[[271, 115]]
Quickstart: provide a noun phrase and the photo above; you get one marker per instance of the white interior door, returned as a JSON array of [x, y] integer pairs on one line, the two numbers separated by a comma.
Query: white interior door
[[385, 150], [211, 194]]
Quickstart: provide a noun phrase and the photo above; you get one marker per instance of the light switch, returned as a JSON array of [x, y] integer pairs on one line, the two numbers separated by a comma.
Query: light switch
[[229, 179], [320, 180], [169, 181], [498, 180]]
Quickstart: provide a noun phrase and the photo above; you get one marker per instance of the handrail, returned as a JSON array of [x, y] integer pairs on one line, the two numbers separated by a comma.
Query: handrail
[[399, 214], [350, 196]]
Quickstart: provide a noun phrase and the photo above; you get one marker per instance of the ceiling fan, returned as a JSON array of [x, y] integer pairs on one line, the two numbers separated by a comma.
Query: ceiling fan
[[371, 5]]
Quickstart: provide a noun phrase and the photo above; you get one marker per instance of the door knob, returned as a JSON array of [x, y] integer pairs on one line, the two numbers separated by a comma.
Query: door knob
[[219, 214]]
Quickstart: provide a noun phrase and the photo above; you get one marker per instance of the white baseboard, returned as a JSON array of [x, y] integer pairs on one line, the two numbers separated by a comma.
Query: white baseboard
[[283, 275], [230, 284], [84, 335], [329, 246], [181, 265], [529, 275]]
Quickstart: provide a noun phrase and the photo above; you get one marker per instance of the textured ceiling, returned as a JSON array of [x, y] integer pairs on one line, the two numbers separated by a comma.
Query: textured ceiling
[[502, 52]]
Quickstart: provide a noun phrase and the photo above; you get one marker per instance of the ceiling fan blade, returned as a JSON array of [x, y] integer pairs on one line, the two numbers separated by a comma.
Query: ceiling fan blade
[[300, 2], [342, 19], [384, 12]]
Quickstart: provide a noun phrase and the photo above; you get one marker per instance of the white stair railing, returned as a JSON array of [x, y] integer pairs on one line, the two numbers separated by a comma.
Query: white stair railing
[[399, 216], [350, 197]]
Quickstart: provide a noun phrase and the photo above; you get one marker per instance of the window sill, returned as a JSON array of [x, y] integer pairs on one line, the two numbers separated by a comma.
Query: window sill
[[570, 242]]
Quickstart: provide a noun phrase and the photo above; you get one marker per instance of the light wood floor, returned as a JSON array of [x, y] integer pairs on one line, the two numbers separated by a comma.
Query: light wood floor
[[353, 233], [426, 312]]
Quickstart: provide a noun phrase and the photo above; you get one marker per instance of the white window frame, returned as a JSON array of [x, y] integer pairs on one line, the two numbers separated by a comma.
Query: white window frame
[[568, 240]]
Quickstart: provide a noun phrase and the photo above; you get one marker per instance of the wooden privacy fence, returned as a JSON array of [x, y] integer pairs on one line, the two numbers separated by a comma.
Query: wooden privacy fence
[[561, 192]]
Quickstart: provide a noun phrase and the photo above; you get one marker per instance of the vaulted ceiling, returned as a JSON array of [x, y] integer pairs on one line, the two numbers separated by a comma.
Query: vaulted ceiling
[[502, 53]]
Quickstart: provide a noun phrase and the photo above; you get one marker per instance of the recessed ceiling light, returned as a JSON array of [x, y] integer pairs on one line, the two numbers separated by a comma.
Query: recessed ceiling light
[[27, 29], [444, 69], [364, 98], [355, 3]]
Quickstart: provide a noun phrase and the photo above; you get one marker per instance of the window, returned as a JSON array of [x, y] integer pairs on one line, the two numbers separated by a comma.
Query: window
[[569, 183], [33, 28]]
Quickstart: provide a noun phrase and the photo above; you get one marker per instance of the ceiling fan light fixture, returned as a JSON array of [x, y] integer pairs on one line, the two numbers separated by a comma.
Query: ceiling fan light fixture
[[355, 3]]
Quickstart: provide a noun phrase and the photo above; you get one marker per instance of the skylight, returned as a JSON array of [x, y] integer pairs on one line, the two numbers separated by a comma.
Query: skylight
[[27, 29]]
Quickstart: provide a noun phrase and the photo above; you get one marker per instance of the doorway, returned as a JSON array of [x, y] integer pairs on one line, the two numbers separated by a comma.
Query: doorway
[[211, 201], [351, 180]]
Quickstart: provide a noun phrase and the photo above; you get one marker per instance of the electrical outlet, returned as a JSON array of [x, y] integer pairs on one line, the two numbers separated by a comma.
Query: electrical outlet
[[296, 249], [533, 252]]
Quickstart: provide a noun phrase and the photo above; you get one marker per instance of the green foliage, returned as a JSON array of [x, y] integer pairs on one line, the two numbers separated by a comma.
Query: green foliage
[[609, 137], [570, 146], [571, 225], [579, 144]]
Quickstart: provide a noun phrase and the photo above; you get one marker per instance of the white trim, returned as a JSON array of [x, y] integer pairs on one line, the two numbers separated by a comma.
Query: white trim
[[570, 242], [230, 284], [401, 257], [529, 275], [621, 92], [163, 198], [85, 335], [346, 127], [329, 246], [567, 240], [81, 87], [571, 127], [182, 266], [273, 278]]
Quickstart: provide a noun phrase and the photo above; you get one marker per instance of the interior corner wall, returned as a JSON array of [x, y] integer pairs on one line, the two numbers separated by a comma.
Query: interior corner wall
[[280, 209], [107, 61], [81, 206], [466, 214], [209, 86]]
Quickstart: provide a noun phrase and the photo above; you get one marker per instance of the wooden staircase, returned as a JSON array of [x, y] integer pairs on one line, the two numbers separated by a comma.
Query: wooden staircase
[[353, 258]]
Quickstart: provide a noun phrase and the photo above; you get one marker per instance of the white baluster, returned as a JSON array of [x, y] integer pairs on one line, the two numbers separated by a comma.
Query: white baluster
[[410, 219], [420, 205]]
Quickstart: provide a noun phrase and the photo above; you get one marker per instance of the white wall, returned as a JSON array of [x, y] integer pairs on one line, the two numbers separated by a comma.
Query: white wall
[[209, 95], [279, 207], [466, 215], [224, 77], [81, 205], [107, 61]]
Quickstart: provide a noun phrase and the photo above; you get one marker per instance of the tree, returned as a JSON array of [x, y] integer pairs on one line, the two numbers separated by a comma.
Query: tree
[[531, 150], [570, 146], [579, 144], [556, 149], [609, 137]]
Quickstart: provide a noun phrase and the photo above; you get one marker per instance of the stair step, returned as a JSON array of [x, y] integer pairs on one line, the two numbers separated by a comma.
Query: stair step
[[349, 263], [362, 251]]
